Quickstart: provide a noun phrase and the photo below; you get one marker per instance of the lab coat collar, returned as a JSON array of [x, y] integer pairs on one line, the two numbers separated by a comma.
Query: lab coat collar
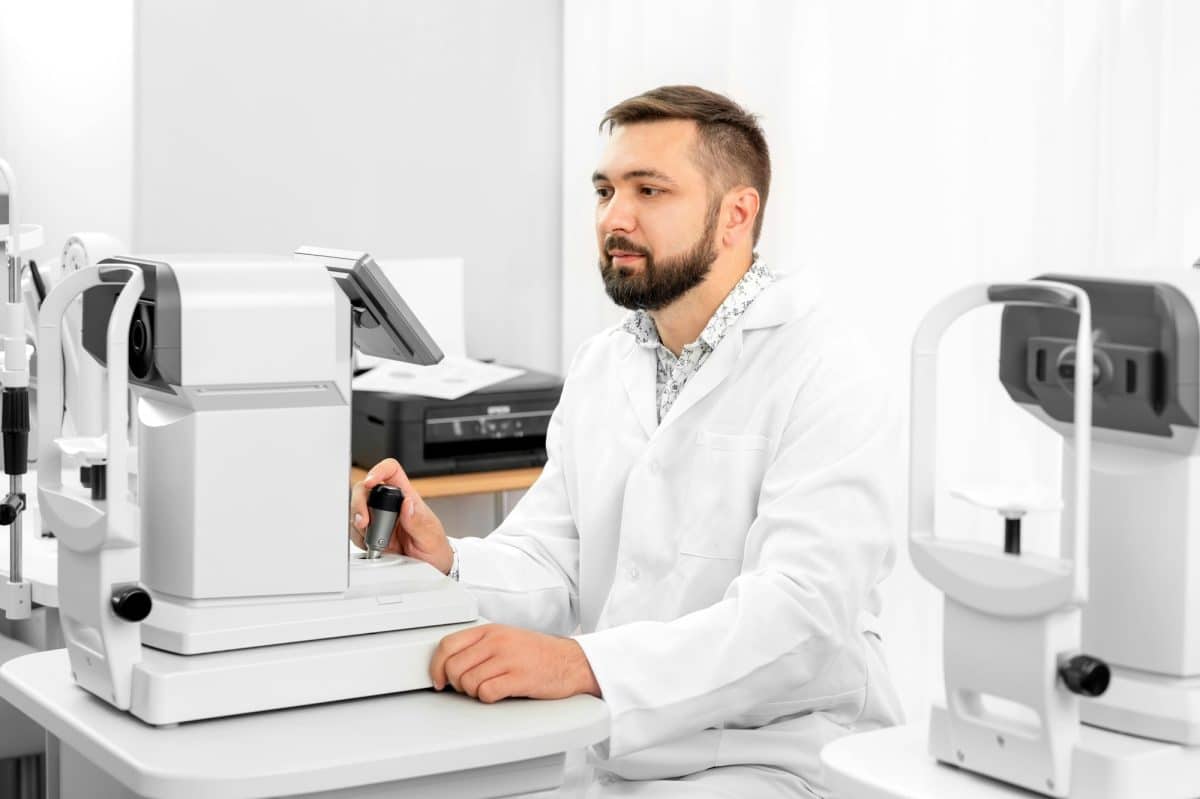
[[788, 297]]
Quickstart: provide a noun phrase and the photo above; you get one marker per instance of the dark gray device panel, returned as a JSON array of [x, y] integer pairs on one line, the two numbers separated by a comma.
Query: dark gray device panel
[[154, 332], [384, 325], [1146, 356]]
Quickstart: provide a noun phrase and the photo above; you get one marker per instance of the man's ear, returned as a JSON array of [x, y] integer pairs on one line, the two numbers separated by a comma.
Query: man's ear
[[739, 210]]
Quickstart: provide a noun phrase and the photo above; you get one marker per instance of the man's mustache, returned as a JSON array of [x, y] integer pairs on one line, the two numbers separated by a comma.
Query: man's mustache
[[612, 242]]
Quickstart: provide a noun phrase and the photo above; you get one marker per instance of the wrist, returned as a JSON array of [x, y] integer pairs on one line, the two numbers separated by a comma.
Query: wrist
[[584, 681]]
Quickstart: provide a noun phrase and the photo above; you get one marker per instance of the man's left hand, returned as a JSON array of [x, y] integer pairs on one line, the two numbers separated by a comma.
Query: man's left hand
[[495, 661]]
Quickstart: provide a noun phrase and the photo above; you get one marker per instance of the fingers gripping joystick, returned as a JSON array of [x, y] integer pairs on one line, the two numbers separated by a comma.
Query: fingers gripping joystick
[[384, 503]]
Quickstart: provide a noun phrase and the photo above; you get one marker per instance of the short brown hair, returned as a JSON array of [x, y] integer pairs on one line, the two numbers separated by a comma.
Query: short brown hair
[[732, 146]]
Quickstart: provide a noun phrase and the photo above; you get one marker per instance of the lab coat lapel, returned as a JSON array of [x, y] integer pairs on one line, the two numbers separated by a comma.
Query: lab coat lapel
[[788, 298], [638, 373], [714, 371]]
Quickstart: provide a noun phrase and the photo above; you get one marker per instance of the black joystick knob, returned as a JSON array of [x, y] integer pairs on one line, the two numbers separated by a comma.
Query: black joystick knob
[[131, 603], [384, 502], [11, 507], [1085, 675]]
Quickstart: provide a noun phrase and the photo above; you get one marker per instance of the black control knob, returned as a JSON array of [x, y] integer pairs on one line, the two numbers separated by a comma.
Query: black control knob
[[10, 508], [1085, 675], [131, 603], [99, 481]]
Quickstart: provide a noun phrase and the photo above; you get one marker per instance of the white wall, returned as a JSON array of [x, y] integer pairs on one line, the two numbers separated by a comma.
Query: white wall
[[402, 127], [919, 146], [407, 128], [66, 114]]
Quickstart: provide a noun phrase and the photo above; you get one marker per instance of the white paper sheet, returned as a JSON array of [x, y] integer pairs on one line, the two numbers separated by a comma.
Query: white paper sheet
[[450, 379]]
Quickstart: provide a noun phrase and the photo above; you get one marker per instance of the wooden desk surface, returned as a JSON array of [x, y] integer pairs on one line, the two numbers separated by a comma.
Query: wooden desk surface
[[456, 485]]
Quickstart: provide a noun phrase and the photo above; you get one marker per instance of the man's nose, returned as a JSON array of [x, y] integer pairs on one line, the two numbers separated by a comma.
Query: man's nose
[[617, 216]]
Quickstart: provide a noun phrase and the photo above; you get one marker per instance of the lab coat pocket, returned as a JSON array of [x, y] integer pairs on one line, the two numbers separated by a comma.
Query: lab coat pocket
[[731, 443], [727, 472]]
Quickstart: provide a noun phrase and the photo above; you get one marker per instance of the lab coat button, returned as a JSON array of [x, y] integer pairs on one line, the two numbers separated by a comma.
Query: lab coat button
[[633, 572], [654, 468]]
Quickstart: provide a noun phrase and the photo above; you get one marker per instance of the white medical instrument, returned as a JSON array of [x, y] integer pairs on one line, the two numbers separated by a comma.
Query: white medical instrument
[[17, 599], [223, 585], [34, 557], [1113, 366]]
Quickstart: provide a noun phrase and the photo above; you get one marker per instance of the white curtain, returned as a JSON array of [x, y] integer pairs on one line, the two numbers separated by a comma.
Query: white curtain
[[920, 145]]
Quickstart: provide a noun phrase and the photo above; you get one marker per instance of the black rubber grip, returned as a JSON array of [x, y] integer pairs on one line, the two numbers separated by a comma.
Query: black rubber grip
[[14, 428], [99, 481], [1085, 675], [132, 603], [385, 497]]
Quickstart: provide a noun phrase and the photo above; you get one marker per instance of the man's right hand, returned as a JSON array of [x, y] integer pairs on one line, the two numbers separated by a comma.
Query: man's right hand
[[418, 533]]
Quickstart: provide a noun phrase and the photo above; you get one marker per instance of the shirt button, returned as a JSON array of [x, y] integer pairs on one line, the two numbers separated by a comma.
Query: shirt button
[[633, 572], [654, 468]]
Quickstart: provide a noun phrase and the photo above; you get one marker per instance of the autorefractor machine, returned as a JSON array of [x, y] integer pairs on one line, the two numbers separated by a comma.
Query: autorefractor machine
[[217, 580], [1078, 674]]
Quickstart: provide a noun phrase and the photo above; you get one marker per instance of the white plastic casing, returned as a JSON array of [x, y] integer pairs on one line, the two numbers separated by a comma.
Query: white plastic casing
[[243, 468], [1009, 619]]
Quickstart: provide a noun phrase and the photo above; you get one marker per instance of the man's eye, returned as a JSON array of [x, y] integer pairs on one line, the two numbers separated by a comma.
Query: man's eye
[[603, 192], [650, 191]]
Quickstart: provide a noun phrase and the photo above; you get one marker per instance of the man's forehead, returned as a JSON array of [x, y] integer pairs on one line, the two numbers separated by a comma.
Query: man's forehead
[[664, 147]]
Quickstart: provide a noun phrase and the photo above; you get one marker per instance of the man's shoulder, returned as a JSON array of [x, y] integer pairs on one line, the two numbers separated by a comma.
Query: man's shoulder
[[801, 324], [613, 341]]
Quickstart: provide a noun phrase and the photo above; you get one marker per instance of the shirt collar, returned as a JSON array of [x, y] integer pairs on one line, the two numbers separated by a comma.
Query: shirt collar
[[641, 325]]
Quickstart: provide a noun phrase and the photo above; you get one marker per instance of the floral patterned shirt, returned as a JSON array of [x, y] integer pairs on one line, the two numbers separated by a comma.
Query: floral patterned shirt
[[673, 373]]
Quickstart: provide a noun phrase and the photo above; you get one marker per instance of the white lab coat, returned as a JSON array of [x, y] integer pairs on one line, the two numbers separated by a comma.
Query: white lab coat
[[719, 569]]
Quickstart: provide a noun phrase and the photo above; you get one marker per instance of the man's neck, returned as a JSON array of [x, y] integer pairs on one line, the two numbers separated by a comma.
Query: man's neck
[[681, 322]]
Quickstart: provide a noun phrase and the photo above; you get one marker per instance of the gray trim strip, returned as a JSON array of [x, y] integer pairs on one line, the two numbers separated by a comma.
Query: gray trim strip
[[1022, 292]]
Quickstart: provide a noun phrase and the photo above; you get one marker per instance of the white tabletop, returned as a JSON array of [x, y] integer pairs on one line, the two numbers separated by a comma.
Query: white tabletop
[[324, 747], [894, 763]]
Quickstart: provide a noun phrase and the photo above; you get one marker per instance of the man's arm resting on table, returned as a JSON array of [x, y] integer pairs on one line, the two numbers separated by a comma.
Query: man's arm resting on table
[[495, 661]]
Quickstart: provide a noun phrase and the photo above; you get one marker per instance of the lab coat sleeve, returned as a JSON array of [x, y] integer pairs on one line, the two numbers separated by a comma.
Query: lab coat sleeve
[[526, 573], [819, 543]]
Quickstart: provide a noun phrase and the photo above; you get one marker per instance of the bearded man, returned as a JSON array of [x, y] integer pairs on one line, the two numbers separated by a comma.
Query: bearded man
[[704, 545]]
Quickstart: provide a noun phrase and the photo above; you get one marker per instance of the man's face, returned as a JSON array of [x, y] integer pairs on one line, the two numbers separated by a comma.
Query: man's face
[[656, 218]]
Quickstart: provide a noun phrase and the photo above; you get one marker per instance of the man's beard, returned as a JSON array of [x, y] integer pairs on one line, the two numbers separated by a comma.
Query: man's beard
[[659, 284]]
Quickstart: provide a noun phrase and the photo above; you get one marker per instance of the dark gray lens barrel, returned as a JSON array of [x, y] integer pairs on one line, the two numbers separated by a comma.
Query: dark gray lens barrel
[[384, 505]]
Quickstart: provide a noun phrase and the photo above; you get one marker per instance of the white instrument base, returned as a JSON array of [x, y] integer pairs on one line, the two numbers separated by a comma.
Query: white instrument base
[[391, 593], [1150, 705], [169, 688], [895, 763]]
